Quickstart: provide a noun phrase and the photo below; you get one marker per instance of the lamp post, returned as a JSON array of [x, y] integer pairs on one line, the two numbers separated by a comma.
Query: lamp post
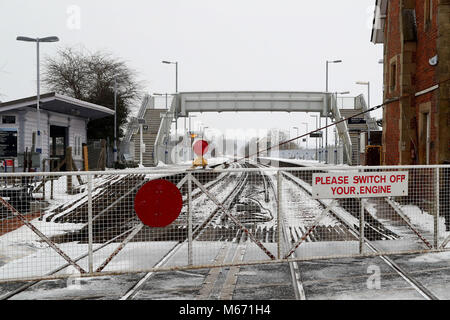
[[317, 125], [326, 119], [115, 120], [296, 128], [175, 112], [367, 83], [176, 72], [307, 145], [38, 40], [203, 132]]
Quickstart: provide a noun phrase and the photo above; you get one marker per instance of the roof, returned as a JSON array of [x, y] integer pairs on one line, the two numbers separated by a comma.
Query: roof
[[379, 20], [61, 104]]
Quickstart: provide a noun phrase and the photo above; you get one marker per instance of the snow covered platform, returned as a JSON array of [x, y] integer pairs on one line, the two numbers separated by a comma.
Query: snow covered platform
[[302, 163]]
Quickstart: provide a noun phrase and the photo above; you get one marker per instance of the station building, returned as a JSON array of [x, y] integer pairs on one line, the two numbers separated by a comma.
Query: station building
[[63, 123], [416, 38]]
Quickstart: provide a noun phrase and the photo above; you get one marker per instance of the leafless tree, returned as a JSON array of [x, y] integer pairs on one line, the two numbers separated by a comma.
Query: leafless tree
[[90, 77]]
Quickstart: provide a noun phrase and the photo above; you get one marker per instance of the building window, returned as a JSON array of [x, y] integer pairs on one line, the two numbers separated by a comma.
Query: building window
[[9, 119], [393, 77], [77, 146]]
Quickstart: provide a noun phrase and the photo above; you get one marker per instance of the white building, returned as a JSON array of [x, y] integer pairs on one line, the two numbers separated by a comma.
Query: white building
[[63, 123]]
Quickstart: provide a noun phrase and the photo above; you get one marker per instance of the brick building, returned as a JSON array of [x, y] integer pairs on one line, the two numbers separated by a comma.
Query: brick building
[[416, 39]]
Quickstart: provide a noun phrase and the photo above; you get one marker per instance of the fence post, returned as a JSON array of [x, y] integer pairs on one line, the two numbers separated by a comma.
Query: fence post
[[279, 178], [361, 228], [69, 168], [189, 208], [436, 215], [90, 259], [51, 186]]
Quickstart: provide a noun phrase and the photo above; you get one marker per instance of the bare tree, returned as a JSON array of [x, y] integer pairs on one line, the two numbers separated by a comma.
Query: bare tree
[[90, 77]]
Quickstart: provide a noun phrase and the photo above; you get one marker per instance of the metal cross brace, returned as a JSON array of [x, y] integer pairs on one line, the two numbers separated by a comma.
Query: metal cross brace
[[311, 229], [445, 243], [120, 247], [402, 215], [135, 231], [41, 235], [220, 205]]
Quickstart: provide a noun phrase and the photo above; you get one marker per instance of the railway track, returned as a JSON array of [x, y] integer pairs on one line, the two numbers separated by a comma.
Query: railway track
[[199, 230], [219, 283], [234, 240], [76, 212]]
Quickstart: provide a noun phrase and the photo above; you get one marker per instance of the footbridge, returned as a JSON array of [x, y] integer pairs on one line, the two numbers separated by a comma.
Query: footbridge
[[185, 103]]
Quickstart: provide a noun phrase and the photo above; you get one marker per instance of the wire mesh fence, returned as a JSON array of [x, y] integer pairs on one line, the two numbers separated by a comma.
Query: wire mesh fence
[[58, 225]]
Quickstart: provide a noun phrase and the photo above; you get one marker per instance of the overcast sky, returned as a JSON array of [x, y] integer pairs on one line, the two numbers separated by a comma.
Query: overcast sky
[[221, 45]]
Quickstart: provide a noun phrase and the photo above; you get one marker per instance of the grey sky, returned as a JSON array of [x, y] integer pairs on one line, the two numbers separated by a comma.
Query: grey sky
[[220, 45]]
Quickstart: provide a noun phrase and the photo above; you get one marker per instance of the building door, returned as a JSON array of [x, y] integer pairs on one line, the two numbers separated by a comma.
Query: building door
[[58, 143]]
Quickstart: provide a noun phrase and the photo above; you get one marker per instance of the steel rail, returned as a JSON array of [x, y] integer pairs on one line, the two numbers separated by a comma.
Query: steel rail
[[296, 277]]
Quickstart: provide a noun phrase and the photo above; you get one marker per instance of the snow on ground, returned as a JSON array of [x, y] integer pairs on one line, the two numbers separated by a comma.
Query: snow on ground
[[162, 164], [23, 241], [134, 256], [432, 257], [203, 206], [300, 209], [343, 214], [305, 163], [423, 220], [402, 231]]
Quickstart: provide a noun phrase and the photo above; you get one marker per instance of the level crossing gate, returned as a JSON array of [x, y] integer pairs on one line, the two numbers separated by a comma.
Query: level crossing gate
[[55, 225]]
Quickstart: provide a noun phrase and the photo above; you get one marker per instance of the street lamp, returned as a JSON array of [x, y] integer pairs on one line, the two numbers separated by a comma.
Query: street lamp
[[203, 132], [176, 72], [367, 83], [328, 62], [296, 128], [307, 145], [326, 119], [317, 125], [38, 40], [175, 113]]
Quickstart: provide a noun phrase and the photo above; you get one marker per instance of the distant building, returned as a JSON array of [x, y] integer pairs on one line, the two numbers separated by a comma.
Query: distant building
[[416, 39], [63, 123]]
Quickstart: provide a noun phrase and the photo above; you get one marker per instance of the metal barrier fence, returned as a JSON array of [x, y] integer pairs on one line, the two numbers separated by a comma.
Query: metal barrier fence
[[57, 225]]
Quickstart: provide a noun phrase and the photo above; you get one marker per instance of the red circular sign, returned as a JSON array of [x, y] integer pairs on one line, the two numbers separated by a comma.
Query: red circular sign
[[158, 203], [200, 147]]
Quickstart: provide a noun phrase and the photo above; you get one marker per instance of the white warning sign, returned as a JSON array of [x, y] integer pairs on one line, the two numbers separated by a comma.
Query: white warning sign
[[360, 185]]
